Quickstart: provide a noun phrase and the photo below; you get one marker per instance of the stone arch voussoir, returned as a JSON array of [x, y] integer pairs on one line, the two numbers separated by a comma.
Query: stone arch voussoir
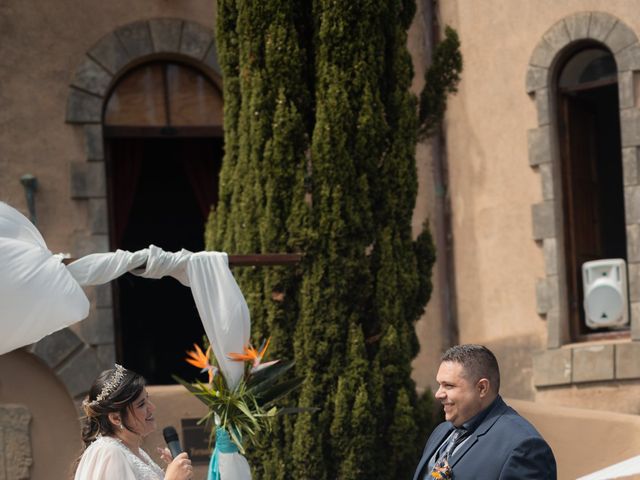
[[128, 45], [597, 26], [71, 359]]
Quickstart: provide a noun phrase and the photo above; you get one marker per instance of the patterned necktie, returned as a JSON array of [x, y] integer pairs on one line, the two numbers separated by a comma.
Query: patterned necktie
[[442, 470]]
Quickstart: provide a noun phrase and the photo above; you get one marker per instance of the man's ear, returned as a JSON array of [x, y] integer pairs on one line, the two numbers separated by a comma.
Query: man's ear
[[483, 386], [115, 419]]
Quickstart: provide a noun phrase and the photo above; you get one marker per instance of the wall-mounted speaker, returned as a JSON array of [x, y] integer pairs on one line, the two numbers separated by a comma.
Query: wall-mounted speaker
[[605, 293]]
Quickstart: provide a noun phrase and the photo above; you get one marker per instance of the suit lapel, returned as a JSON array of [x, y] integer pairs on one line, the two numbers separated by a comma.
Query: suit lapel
[[492, 417], [430, 449]]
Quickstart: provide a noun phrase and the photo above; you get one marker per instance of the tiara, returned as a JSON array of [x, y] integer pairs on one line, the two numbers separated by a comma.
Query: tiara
[[112, 384]]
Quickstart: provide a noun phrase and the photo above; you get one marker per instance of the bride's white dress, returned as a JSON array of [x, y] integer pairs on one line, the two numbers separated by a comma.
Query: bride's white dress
[[108, 458]]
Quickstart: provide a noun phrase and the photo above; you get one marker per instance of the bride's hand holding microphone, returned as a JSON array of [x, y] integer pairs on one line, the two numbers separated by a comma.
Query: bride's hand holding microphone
[[180, 468], [178, 463]]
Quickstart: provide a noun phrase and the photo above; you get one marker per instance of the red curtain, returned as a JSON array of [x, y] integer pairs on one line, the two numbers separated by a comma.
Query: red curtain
[[124, 157], [200, 161]]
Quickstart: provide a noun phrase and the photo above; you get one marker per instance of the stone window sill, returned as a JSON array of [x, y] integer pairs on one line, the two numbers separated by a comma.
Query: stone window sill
[[599, 361]]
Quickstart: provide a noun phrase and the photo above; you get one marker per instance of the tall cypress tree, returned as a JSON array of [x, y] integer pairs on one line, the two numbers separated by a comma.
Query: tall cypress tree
[[261, 206], [320, 134], [267, 107]]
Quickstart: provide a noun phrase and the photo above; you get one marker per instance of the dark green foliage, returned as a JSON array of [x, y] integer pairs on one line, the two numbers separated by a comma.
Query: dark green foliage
[[359, 456], [263, 174], [427, 416], [354, 424], [425, 252], [441, 79], [403, 437], [320, 135]]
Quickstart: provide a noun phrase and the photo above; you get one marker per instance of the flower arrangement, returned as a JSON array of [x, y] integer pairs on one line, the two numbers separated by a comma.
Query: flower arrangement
[[247, 410]]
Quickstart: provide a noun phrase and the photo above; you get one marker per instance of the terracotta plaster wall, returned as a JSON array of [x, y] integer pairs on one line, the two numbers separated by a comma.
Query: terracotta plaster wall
[[428, 327], [605, 438], [41, 45], [493, 187], [54, 429]]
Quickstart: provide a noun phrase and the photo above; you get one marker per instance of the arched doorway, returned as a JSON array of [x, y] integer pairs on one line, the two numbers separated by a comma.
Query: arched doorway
[[590, 167], [163, 151]]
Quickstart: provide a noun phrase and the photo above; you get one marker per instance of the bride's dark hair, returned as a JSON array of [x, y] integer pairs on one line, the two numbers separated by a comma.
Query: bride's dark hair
[[119, 400], [96, 421]]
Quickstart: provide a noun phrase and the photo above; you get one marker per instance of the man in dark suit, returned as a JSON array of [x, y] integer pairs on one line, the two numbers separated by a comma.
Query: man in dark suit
[[482, 438]]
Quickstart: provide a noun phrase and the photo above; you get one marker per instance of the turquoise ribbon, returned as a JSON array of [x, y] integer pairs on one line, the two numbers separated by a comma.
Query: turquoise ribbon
[[223, 445]]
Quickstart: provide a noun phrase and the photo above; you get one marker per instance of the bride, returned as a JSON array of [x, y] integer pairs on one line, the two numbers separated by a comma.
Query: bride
[[119, 415]]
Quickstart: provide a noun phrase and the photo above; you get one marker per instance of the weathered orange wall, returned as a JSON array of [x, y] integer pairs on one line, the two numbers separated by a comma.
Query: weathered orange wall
[[428, 327], [55, 429], [42, 45], [583, 441], [492, 189]]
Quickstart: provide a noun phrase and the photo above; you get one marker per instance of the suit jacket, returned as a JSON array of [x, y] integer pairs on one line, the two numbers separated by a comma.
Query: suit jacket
[[504, 446]]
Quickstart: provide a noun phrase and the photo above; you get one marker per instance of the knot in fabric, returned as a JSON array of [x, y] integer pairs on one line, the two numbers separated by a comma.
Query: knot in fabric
[[223, 441], [161, 264]]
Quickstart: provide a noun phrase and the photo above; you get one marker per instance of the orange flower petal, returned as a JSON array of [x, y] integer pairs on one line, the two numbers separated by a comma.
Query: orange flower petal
[[264, 348], [239, 357], [195, 363], [197, 358]]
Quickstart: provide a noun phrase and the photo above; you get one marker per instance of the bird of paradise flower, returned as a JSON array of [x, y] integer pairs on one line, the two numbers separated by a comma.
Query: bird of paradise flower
[[202, 361], [248, 409], [254, 356]]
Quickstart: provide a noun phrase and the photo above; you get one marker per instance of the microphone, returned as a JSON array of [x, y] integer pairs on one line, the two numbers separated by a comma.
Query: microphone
[[173, 442]]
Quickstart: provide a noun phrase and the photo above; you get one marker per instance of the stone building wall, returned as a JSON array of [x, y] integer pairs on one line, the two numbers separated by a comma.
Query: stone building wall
[[504, 189]]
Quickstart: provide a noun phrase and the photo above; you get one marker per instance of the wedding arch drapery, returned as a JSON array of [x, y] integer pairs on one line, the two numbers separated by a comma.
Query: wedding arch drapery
[[221, 305], [39, 295]]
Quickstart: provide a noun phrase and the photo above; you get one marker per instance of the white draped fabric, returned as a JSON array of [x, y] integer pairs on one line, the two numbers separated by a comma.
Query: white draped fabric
[[233, 466], [626, 469], [221, 305], [39, 295]]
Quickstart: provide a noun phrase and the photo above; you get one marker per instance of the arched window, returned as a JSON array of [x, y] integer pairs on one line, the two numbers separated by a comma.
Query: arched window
[[591, 169], [162, 126], [164, 99]]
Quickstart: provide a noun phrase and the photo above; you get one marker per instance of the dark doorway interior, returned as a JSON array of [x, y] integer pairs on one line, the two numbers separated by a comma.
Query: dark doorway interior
[[161, 191], [592, 186]]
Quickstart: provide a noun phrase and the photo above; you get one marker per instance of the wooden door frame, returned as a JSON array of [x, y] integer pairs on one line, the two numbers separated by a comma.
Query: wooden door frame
[[574, 290]]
